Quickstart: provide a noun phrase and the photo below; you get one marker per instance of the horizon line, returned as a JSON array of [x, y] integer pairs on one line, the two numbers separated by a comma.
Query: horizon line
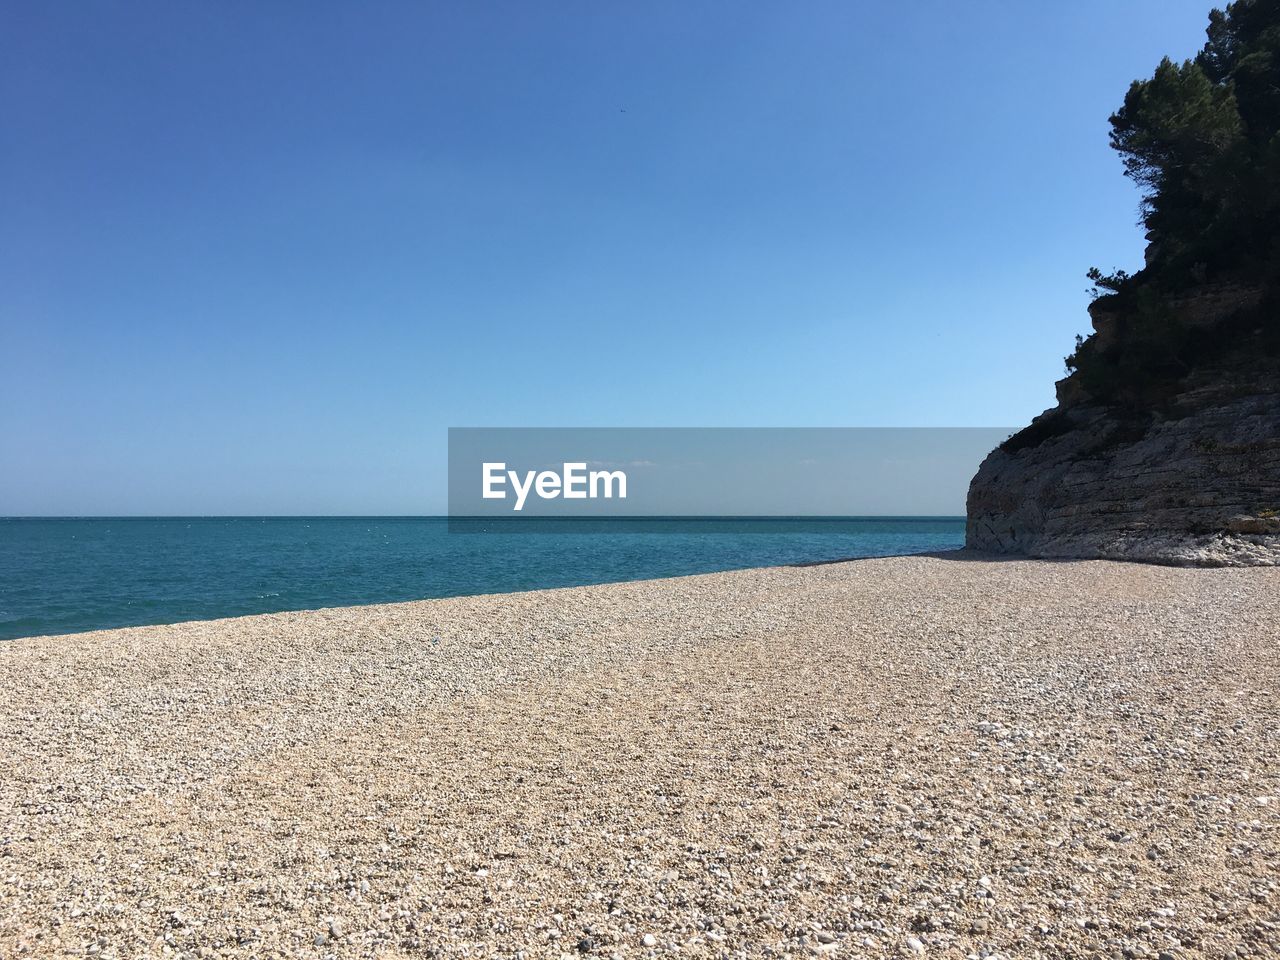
[[445, 516]]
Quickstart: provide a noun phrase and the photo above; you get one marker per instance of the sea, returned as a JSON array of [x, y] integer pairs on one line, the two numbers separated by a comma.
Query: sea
[[65, 575]]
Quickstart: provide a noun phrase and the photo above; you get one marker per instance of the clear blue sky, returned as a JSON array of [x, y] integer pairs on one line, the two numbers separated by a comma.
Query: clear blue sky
[[256, 258]]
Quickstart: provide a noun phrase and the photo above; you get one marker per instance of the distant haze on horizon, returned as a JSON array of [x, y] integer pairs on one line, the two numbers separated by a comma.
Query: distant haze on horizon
[[256, 259]]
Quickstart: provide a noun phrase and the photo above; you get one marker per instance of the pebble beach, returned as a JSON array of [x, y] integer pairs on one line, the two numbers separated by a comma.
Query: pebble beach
[[942, 756]]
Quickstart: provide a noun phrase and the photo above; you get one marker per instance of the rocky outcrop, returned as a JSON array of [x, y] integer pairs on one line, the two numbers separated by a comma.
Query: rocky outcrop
[[1192, 479]]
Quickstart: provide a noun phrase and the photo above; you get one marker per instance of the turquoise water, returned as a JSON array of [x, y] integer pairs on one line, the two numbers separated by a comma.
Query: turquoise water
[[66, 575]]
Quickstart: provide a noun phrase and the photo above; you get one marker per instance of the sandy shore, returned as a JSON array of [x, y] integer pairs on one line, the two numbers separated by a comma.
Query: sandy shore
[[948, 756]]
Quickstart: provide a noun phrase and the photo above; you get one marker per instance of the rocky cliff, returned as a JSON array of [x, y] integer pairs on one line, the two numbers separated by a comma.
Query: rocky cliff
[[1184, 471]]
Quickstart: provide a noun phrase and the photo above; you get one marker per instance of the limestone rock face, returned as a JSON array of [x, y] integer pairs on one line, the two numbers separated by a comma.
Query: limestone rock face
[[1194, 481]]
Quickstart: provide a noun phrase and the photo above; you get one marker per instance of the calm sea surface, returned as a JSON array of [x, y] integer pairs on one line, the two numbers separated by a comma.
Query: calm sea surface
[[65, 575]]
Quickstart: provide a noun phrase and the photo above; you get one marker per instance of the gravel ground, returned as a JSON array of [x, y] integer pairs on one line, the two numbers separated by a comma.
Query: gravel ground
[[944, 756]]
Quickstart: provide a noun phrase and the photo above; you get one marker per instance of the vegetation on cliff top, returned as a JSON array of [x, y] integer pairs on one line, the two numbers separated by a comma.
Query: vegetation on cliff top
[[1202, 139]]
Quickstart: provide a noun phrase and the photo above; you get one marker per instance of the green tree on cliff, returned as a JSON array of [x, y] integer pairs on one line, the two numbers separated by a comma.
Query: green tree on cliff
[[1202, 138]]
